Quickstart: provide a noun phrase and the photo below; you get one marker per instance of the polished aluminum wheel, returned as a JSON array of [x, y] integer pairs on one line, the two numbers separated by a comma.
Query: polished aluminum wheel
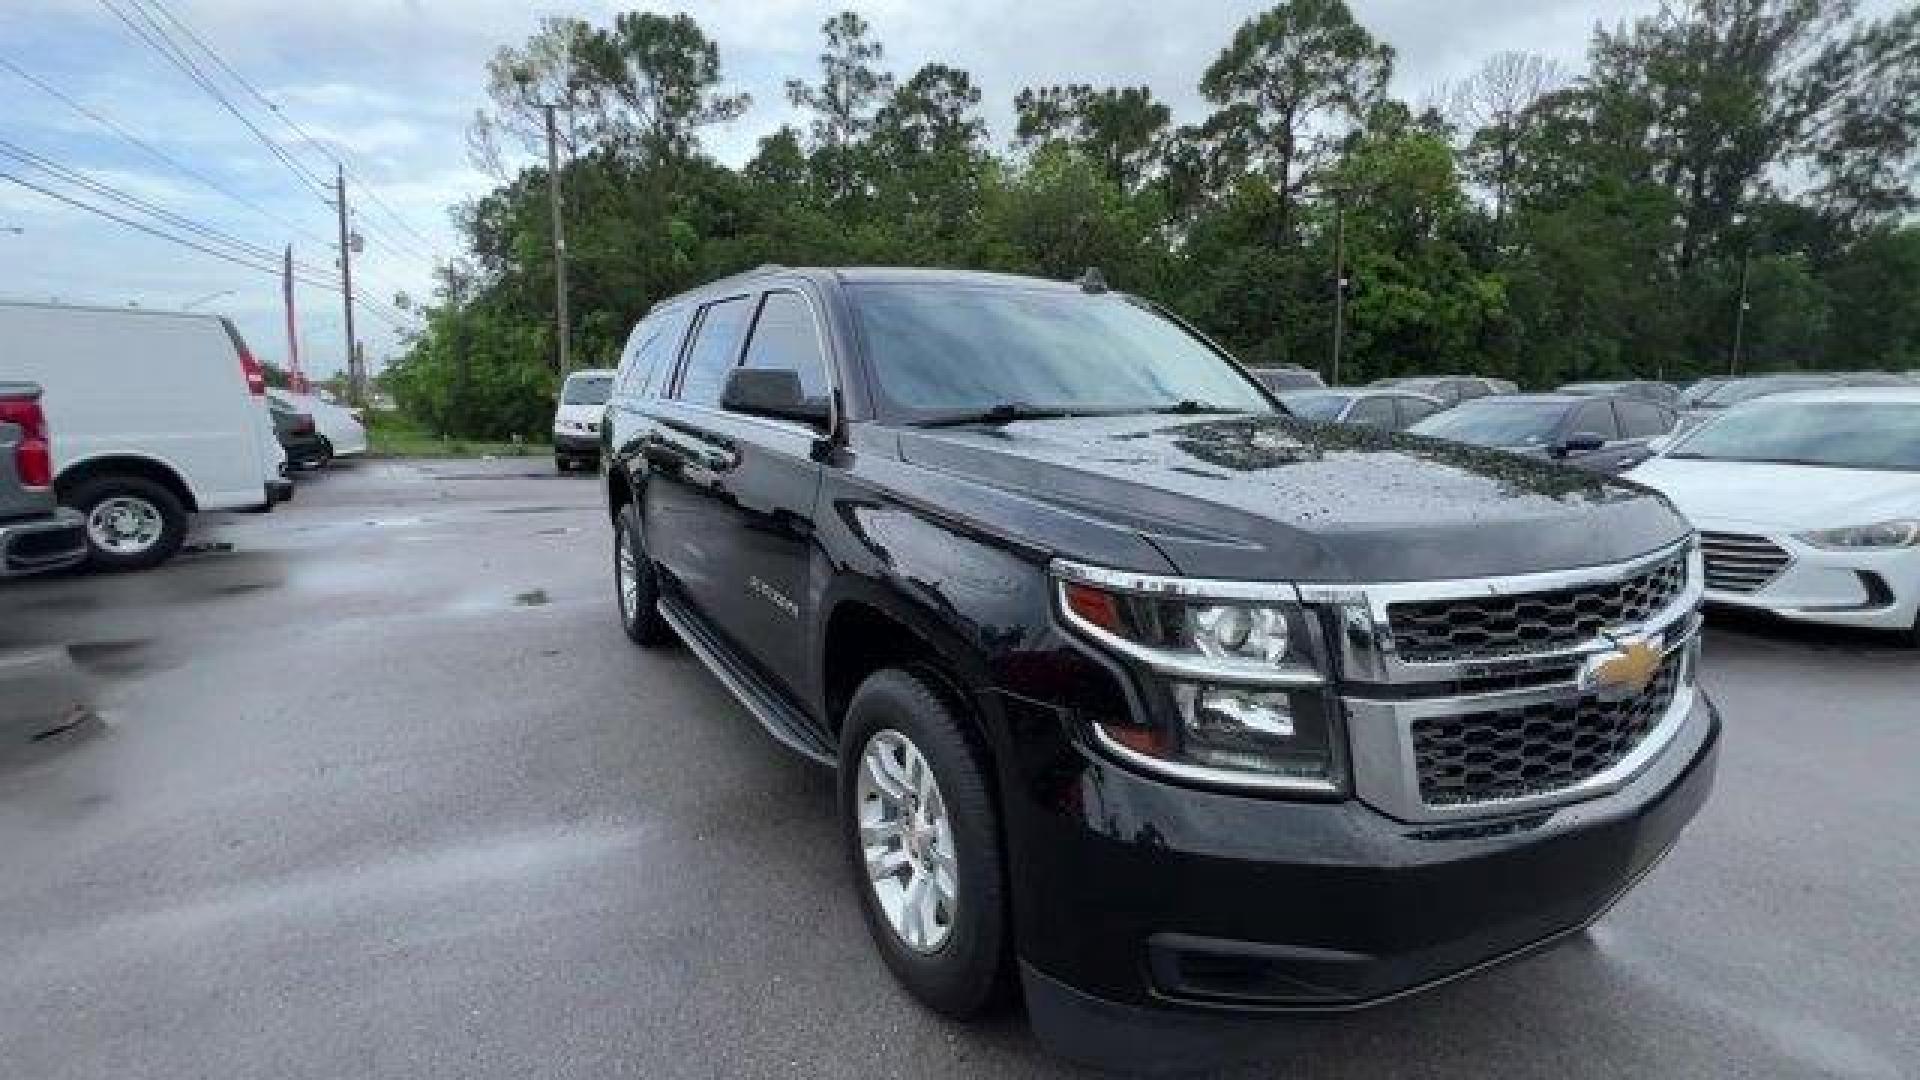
[[907, 841], [626, 572], [125, 525]]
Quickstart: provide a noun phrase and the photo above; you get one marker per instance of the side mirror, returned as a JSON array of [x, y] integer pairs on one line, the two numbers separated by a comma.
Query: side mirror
[[773, 392], [1581, 442]]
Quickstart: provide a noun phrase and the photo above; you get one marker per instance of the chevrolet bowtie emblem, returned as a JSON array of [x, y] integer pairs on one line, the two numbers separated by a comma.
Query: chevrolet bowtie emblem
[[1624, 672]]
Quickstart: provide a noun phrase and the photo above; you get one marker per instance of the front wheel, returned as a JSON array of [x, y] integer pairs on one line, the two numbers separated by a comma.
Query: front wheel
[[923, 838], [132, 522], [635, 586]]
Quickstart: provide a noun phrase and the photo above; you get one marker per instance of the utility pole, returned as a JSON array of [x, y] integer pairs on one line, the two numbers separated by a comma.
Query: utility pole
[[1339, 283], [1740, 316], [559, 243], [356, 392]]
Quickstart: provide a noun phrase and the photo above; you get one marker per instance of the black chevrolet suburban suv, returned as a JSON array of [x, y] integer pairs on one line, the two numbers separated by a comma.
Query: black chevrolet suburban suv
[[1142, 693]]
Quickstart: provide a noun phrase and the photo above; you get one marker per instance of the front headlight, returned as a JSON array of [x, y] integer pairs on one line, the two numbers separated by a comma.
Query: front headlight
[[1887, 534], [1235, 672]]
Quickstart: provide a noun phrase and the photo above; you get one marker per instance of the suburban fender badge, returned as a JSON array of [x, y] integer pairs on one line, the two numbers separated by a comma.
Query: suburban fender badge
[[1625, 671]]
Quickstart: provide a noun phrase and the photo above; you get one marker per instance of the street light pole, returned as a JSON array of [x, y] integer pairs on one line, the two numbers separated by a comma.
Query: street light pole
[[559, 243], [1339, 283], [1740, 316]]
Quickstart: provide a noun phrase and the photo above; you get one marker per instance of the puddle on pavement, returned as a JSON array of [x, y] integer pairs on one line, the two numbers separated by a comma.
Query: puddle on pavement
[[46, 696]]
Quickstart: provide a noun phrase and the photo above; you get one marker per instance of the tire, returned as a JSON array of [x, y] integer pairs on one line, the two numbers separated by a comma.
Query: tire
[[561, 464], [958, 970], [145, 519], [639, 609], [326, 453]]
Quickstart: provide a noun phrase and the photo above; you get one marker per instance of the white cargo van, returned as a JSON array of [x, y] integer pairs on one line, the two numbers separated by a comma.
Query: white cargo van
[[160, 414]]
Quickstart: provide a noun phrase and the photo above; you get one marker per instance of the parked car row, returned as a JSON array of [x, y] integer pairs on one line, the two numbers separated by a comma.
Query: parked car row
[[1805, 488], [134, 420]]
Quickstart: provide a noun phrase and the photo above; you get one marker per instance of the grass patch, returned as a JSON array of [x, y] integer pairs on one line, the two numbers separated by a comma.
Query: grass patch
[[391, 435]]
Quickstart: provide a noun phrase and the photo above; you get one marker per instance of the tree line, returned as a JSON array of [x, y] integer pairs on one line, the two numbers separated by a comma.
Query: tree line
[[1529, 222]]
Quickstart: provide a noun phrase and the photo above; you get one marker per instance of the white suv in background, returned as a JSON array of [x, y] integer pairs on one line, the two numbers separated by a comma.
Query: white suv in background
[[576, 420], [160, 415], [1808, 505]]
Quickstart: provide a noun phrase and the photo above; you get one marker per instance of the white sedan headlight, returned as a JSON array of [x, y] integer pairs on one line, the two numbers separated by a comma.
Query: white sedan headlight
[[1886, 534]]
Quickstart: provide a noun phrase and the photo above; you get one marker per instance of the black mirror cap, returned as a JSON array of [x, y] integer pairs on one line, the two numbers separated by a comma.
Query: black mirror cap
[[1580, 442], [772, 392]]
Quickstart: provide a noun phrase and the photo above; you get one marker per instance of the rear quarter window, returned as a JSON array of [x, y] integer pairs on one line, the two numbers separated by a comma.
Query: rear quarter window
[[714, 351]]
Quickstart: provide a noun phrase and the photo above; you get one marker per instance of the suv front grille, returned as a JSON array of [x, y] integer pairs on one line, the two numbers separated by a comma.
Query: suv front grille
[[1535, 749], [1739, 563], [1492, 627]]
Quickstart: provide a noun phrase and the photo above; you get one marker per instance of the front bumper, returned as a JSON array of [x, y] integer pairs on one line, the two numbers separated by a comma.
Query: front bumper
[[1865, 588], [574, 445], [37, 545], [1159, 896]]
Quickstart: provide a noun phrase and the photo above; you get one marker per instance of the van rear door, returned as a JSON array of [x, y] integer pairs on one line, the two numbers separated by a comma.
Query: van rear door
[[272, 457]]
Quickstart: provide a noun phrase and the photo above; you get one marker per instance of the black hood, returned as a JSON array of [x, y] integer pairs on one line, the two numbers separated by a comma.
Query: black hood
[[1271, 497]]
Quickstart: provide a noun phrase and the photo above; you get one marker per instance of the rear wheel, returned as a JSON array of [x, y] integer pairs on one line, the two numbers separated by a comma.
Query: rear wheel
[[923, 838], [133, 523], [634, 585]]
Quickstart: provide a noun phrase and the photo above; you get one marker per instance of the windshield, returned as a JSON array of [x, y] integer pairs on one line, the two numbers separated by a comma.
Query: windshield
[[587, 390], [1841, 434], [1315, 406], [1734, 393], [1496, 422], [941, 350]]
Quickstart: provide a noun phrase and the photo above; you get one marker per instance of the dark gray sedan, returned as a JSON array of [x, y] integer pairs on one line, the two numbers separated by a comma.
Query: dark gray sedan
[[1604, 434]]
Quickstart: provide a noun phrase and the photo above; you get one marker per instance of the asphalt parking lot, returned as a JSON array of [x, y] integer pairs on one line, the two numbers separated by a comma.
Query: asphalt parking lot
[[373, 786]]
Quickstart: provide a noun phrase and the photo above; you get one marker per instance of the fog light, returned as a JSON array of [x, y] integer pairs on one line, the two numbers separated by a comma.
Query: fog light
[[1235, 709], [1253, 729]]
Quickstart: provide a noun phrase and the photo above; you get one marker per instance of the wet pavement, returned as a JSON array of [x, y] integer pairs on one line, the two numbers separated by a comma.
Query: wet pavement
[[380, 790]]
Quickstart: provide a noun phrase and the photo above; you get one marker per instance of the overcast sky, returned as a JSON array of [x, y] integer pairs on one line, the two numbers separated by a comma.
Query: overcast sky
[[392, 84]]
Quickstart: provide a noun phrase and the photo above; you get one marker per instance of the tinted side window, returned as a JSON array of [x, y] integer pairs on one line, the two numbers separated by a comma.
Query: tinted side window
[[1595, 417], [715, 348], [657, 352], [784, 337], [1639, 420], [1374, 412], [632, 378], [1413, 410]]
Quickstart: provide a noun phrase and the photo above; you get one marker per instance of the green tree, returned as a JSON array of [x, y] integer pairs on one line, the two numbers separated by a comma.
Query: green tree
[[1120, 128], [1287, 86]]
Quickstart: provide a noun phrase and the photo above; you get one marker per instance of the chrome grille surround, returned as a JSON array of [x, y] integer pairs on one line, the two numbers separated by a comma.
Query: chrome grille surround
[[1742, 563], [1385, 693]]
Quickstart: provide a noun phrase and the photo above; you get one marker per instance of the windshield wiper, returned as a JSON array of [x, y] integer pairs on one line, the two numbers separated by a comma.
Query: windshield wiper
[[1006, 412]]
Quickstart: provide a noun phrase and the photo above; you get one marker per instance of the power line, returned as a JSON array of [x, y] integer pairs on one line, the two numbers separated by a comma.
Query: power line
[[178, 58], [149, 230], [157, 153], [135, 202], [380, 310], [292, 125]]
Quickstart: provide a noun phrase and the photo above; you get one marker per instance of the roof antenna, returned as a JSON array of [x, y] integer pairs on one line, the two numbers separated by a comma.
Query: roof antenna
[[1092, 281]]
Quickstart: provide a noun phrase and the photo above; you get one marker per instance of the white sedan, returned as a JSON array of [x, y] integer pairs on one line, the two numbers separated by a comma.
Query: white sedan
[[346, 436], [1808, 505]]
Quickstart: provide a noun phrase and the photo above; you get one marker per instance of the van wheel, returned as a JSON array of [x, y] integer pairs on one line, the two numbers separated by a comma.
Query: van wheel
[[634, 584], [132, 522], [923, 839]]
